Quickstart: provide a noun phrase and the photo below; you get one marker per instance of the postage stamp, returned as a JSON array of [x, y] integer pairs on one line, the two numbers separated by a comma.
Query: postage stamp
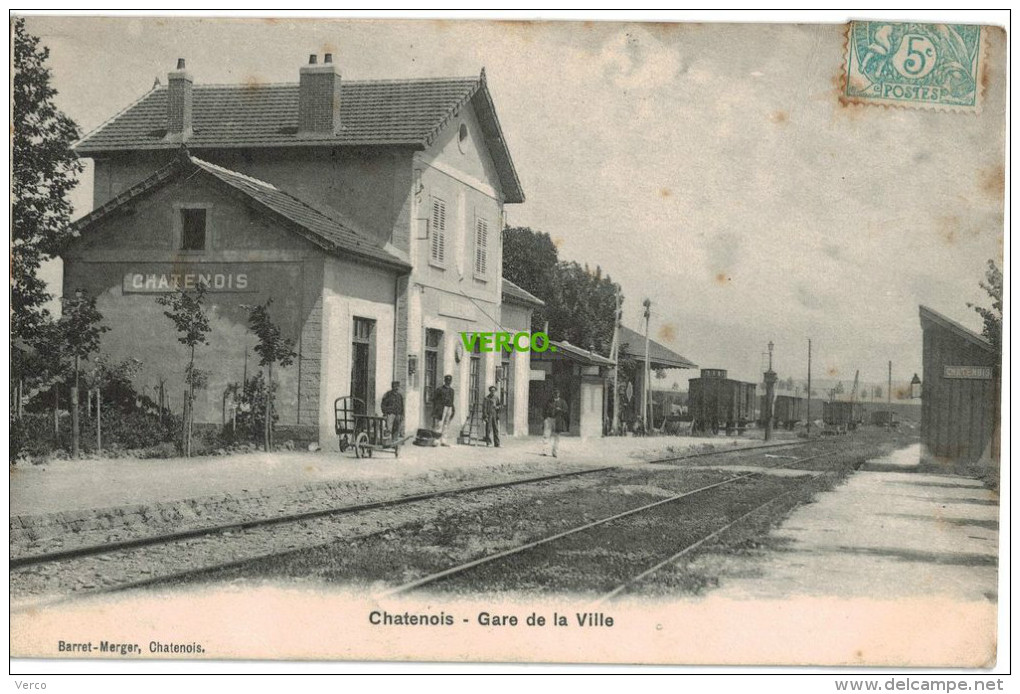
[[930, 66]]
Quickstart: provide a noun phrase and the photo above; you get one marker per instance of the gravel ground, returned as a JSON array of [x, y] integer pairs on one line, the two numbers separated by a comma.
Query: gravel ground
[[239, 488], [393, 544], [587, 563]]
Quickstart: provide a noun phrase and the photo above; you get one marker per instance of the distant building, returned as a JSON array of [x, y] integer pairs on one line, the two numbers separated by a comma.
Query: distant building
[[369, 211], [960, 387]]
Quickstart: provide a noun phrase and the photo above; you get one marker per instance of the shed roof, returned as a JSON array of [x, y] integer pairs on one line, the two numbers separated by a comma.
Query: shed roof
[[407, 112], [515, 295], [321, 226], [565, 350], [632, 345], [930, 317]]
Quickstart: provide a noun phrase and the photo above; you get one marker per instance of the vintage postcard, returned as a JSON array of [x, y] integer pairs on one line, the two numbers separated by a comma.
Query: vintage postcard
[[461, 341]]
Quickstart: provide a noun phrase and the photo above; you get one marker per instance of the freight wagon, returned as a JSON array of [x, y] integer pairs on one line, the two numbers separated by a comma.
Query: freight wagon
[[717, 402], [885, 418], [787, 411], [842, 417]]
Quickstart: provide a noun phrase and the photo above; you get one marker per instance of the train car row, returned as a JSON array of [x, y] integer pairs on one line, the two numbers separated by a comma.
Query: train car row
[[717, 403]]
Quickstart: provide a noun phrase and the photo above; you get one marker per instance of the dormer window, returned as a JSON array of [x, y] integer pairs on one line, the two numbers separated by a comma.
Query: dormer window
[[462, 137]]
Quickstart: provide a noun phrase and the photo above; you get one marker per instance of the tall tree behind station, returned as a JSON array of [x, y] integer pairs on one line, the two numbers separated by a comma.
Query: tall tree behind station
[[44, 170], [580, 303]]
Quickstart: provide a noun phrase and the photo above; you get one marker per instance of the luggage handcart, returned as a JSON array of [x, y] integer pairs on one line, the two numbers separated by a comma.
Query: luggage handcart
[[364, 433]]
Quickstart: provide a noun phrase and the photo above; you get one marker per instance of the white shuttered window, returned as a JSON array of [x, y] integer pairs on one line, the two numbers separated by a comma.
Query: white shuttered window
[[481, 246], [438, 244]]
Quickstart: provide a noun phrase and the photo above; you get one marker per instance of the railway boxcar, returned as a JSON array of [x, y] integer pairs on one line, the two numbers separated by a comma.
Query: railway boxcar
[[787, 411], [717, 402], [885, 418], [842, 417]]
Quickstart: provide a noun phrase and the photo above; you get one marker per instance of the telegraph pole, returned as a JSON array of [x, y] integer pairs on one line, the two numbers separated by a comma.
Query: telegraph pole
[[888, 393], [809, 386], [647, 380], [770, 390], [616, 366]]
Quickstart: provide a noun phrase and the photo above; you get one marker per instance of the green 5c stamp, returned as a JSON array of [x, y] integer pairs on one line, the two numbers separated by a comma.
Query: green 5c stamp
[[933, 66]]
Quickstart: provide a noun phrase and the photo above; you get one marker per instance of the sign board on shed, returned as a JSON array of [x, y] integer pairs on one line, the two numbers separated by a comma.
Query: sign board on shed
[[983, 373]]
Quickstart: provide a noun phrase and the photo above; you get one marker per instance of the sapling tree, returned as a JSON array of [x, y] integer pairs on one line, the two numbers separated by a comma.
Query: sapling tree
[[187, 311], [80, 330], [272, 349], [100, 377]]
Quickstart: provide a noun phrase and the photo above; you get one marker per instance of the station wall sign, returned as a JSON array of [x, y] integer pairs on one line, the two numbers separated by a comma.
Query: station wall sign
[[981, 373], [163, 281]]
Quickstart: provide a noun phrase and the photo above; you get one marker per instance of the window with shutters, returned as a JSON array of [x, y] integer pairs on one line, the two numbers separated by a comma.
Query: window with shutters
[[481, 247], [437, 242]]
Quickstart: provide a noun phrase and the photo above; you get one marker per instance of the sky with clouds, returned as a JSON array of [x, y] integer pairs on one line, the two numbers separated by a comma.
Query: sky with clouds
[[708, 167]]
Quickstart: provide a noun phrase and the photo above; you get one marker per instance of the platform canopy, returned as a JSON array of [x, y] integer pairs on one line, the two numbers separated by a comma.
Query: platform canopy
[[632, 346]]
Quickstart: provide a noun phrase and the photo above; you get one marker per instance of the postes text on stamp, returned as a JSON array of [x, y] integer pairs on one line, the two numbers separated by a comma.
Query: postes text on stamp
[[932, 66]]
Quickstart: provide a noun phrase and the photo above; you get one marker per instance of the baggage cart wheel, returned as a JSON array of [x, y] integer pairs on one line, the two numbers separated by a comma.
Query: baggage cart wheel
[[361, 446]]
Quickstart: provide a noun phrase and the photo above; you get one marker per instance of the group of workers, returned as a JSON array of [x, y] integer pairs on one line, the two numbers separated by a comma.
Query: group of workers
[[556, 415]]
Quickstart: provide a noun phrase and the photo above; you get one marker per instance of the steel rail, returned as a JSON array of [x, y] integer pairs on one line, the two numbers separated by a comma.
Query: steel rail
[[167, 538], [213, 568], [686, 550], [439, 575]]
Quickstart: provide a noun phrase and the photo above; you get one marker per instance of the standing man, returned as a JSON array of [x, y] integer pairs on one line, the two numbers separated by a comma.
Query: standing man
[[442, 407], [557, 420], [393, 411], [490, 414]]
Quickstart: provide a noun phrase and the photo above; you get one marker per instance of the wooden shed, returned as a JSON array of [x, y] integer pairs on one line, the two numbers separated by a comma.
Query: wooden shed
[[959, 395]]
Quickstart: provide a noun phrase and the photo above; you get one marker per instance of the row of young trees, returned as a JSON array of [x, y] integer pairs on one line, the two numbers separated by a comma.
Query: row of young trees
[[188, 312], [68, 351]]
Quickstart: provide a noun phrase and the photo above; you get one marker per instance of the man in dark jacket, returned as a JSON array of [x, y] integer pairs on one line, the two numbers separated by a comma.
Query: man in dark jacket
[[393, 410], [442, 407], [491, 408], [557, 420]]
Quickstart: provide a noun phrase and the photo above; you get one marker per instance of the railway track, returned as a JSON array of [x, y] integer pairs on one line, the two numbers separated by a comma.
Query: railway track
[[586, 527], [219, 529], [228, 530]]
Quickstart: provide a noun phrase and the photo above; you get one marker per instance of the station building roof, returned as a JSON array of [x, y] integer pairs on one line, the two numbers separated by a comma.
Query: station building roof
[[404, 112], [319, 225]]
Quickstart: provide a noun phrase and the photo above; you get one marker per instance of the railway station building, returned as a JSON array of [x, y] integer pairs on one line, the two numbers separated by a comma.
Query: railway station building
[[960, 393], [370, 212]]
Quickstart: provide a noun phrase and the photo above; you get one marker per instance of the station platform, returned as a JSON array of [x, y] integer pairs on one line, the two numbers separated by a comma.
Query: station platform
[[62, 486], [889, 531]]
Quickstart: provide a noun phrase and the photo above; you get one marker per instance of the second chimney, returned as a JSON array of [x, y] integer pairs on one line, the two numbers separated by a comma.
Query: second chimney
[[319, 99], [178, 109]]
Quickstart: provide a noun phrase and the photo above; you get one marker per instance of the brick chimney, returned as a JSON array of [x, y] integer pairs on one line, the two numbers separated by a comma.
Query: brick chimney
[[319, 99], [178, 104]]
